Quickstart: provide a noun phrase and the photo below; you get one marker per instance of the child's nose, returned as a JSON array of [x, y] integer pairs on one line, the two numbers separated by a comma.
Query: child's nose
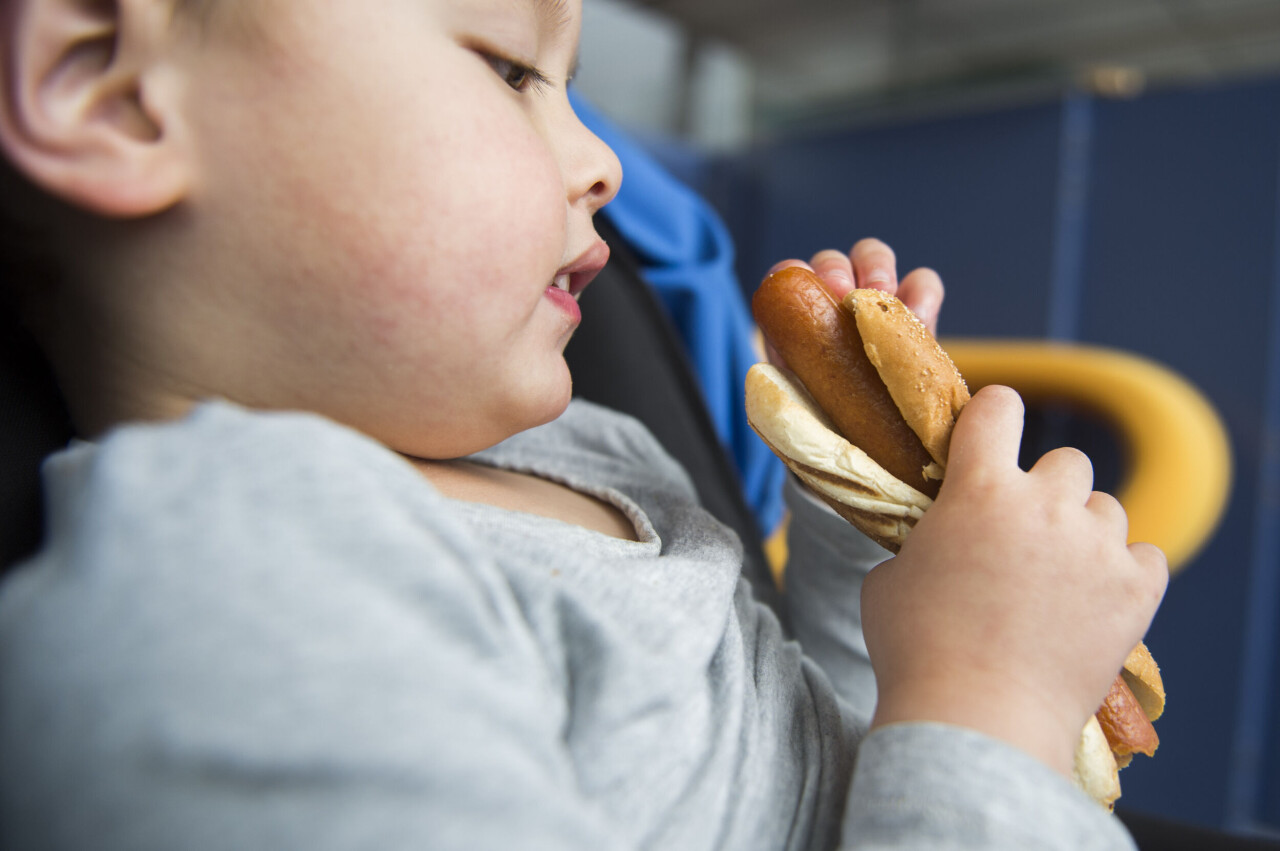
[[596, 172]]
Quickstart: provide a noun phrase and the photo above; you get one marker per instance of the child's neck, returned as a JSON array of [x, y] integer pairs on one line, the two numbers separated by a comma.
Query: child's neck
[[471, 482]]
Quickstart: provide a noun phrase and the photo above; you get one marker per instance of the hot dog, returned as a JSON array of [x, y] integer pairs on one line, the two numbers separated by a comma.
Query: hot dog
[[805, 325], [863, 415], [1120, 728]]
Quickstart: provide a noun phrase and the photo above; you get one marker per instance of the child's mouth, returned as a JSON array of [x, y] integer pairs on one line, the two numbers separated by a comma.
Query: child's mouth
[[573, 278], [560, 293]]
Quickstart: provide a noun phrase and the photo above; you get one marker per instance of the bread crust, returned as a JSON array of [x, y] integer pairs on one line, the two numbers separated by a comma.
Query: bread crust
[[921, 378], [1094, 770], [1142, 674]]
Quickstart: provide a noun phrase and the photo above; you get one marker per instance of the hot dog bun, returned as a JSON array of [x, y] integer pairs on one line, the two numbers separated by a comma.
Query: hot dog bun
[[1094, 770], [822, 343], [1120, 728], [921, 378], [792, 424], [838, 423], [1142, 674], [869, 373]]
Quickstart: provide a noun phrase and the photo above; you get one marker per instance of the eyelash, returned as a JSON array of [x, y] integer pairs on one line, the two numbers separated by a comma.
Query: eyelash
[[517, 75]]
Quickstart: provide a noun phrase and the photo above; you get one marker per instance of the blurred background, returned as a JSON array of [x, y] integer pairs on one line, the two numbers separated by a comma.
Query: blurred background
[[1103, 171]]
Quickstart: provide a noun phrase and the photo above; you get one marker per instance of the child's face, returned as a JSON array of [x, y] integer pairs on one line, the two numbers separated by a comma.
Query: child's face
[[395, 197]]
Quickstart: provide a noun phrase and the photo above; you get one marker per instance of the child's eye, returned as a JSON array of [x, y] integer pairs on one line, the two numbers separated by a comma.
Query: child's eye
[[515, 74]]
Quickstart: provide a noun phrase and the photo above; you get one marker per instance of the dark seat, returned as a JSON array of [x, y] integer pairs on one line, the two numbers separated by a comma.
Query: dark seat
[[626, 355], [33, 423]]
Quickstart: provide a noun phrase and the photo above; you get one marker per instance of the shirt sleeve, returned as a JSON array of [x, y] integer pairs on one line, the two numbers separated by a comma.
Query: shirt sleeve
[[827, 560], [941, 787]]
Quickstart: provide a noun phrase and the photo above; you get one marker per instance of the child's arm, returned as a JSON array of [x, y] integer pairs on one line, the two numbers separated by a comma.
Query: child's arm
[[1000, 623], [1013, 603], [1013, 577], [994, 634]]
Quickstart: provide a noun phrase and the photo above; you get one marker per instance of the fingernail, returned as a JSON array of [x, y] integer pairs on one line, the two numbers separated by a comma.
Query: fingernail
[[926, 310], [879, 276], [783, 264], [839, 276]]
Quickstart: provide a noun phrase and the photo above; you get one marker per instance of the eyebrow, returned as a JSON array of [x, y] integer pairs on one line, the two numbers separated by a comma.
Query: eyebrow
[[554, 13]]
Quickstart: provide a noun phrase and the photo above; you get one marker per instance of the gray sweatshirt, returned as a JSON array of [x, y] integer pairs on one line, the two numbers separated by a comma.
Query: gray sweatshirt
[[266, 631]]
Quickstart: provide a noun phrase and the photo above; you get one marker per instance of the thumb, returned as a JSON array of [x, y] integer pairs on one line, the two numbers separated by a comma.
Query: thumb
[[988, 433]]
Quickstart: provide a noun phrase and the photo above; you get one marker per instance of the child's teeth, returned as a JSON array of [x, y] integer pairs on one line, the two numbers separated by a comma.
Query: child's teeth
[[561, 282]]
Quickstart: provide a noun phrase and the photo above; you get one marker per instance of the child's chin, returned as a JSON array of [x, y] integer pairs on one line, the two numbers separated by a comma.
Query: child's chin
[[541, 405], [557, 406]]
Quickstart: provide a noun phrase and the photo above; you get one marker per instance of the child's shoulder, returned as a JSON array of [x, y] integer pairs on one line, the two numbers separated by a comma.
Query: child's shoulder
[[230, 503], [227, 482], [220, 446]]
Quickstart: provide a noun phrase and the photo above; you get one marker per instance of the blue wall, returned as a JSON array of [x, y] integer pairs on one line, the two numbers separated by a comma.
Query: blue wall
[[1147, 224]]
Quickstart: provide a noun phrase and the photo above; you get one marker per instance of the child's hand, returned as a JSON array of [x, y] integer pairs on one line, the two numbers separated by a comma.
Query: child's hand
[[1015, 600], [871, 264]]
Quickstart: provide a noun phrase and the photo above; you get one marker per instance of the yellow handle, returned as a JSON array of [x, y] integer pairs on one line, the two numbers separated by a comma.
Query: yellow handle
[[1177, 476]]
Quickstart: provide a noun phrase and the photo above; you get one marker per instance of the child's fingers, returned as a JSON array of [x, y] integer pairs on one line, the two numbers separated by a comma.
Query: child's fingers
[[1067, 468], [875, 266], [1147, 582], [1151, 555], [987, 435], [1107, 508], [836, 271], [922, 292], [786, 264], [1156, 566]]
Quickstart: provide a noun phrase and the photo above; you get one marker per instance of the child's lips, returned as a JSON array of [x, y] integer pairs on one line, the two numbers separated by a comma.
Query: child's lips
[[571, 280], [565, 302], [582, 271]]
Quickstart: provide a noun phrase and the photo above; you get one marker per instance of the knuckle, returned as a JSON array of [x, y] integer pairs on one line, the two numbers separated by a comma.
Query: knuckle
[[1068, 459], [1072, 455]]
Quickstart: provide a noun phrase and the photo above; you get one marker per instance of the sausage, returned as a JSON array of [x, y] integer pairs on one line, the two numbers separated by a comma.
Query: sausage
[[1125, 724]]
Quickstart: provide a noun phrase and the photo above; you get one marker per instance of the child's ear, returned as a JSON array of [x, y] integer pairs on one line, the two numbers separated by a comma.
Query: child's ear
[[89, 112]]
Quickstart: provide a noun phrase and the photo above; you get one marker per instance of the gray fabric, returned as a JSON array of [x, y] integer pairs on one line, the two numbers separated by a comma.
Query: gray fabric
[[265, 631]]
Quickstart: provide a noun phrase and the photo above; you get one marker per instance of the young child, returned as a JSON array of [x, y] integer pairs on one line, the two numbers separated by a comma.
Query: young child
[[337, 564]]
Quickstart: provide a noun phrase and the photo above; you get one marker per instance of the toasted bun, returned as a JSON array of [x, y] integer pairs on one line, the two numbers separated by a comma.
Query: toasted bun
[[1143, 676], [788, 419], [1094, 769], [922, 379], [1124, 724]]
